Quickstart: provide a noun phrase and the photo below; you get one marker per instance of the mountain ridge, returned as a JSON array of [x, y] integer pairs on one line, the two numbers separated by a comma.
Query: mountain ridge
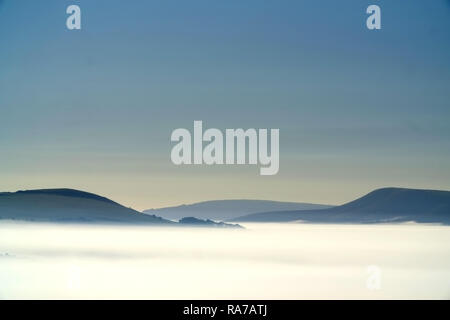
[[68, 205], [382, 205], [228, 209]]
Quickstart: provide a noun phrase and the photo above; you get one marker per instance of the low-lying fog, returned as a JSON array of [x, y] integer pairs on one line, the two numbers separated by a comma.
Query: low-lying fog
[[265, 261]]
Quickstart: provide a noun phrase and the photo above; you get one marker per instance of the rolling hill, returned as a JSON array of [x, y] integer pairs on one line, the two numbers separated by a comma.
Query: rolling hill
[[229, 209], [68, 205], [379, 206]]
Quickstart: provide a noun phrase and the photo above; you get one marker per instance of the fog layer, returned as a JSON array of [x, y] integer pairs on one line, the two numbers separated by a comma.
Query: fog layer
[[264, 261]]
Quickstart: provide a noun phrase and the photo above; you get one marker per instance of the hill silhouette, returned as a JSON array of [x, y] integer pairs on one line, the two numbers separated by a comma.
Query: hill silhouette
[[379, 206], [221, 210], [68, 205]]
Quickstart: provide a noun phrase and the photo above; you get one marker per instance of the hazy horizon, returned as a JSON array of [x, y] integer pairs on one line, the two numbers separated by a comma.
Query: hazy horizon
[[222, 199]]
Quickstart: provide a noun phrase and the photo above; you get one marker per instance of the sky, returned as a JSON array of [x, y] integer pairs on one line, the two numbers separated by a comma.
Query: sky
[[93, 109]]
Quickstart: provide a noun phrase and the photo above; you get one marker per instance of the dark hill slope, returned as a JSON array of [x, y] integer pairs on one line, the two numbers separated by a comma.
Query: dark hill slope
[[67, 205], [382, 205]]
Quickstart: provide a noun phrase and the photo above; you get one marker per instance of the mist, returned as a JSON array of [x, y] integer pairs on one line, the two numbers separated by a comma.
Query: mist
[[264, 261]]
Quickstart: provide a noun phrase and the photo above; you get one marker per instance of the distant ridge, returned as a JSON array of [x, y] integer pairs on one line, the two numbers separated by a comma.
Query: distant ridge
[[379, 206], [68, 205], [229, 209]]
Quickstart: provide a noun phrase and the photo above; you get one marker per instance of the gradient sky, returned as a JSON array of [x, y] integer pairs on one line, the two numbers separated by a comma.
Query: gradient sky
[[94, 109]]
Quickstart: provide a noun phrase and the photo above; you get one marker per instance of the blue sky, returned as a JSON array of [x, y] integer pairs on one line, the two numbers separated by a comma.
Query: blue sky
[[94, 109]]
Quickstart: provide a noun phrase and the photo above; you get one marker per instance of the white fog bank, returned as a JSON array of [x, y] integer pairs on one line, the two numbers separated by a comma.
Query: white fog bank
[[265, 261]]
